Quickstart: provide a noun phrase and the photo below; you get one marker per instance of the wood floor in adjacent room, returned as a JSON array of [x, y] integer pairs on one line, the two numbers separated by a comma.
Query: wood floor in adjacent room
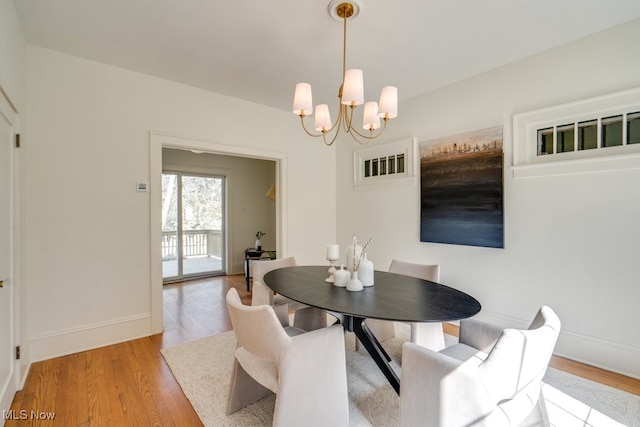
[[129, 384]]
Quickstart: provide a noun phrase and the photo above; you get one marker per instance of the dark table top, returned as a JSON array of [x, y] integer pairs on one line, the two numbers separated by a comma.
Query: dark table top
[[393, 296]]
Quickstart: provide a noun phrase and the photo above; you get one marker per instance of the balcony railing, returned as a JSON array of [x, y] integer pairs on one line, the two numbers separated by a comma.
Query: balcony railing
[[194, 243]]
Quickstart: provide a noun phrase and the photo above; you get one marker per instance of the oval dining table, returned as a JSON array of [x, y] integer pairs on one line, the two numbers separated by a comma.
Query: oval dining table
[[393, 297]]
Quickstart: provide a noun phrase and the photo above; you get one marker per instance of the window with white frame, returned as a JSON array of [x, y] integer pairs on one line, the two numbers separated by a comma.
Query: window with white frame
[[589, 135], [383, 163]]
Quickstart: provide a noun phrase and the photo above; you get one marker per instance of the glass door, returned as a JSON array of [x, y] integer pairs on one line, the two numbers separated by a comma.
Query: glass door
[[192, 226]]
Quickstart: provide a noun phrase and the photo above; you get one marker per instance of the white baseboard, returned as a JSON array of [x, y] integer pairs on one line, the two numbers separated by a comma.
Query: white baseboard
[[64, 342], [595, 351], [238, 268], [7, 392], [612, 356]]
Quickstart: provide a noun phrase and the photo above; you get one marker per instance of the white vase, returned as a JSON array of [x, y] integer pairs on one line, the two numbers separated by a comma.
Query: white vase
[[258, 245], [354, 283], [365, 271], [341, 277], [354, 250]]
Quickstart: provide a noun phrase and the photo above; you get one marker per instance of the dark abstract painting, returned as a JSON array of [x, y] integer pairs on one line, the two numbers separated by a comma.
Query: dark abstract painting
[[461, 189]]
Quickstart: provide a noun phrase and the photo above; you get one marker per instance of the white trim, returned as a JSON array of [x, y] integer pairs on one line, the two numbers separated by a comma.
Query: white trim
[[526, 162], [155, 235], [9, 113], [158, 140], [605, 354], [408, 147], [576, 166], [7, 393], [65, 341]]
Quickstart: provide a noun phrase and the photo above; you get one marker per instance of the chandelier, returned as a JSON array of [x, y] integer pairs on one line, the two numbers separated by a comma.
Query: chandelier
[[350, 95]]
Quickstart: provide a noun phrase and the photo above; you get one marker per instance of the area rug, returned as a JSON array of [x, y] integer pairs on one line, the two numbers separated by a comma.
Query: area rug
[[203, 369]]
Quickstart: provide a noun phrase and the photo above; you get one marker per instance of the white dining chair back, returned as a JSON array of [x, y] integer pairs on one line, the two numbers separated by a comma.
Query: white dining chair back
[[427, 334], [305, 317], [492, 377], [306, 371]]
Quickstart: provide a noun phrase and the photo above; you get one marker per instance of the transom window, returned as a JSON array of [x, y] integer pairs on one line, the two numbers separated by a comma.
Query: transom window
[[387, 165], [601, 132], [590, 135], [392, 162]]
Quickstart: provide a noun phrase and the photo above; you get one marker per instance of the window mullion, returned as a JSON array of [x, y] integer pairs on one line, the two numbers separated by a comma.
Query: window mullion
[[599, 133]]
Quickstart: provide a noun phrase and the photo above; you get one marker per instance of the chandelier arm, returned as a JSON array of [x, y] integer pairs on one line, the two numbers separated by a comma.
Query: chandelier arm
[[348, 116], [305, 128], [335, 136], [315, 135], [335, 126], [369, 137]]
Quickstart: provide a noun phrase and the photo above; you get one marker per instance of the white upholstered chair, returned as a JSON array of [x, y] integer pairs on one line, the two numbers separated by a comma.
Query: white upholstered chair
[[307, 371], [492, 377], [305, 317], [426, 334]]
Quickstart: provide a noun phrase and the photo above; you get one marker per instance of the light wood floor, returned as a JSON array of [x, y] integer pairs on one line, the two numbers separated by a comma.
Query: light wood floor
[[129, 384]]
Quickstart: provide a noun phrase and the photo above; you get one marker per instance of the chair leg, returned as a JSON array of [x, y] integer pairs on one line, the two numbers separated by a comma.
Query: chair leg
[[244, 390]]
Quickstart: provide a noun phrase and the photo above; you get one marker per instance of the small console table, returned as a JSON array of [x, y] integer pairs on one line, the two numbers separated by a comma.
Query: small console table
[[252, 254]]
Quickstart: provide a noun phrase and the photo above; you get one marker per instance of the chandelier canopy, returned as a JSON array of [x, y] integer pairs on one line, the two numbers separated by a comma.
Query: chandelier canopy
[[350, 95]]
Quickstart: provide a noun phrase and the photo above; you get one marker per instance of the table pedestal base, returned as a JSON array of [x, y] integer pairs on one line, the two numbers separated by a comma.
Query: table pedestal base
[[428, 334], [358, 326]]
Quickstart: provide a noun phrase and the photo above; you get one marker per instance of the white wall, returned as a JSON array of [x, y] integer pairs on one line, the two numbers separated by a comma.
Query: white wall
[[248, 210], [87, 235], [571, 241], [12, 48]]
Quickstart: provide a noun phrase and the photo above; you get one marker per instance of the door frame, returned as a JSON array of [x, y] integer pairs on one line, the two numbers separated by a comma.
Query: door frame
[[10, 114], [160, 140]]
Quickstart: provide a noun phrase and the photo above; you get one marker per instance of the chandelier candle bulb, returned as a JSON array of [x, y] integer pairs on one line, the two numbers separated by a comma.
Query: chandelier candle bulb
[[323, 119], [388, 108], [302, 100], [353, 88], [371, 121]]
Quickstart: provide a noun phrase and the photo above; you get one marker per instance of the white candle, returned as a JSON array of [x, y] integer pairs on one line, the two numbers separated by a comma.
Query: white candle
[[333, 252]]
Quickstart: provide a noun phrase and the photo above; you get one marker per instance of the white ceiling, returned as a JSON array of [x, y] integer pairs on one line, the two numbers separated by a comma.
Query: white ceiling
[[258, 50]]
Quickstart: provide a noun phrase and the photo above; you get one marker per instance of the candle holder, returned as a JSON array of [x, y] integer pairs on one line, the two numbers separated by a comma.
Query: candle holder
[[332, 269], [333, 254]]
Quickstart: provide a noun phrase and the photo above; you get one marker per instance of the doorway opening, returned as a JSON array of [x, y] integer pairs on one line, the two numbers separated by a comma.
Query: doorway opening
[[193, 232], [236, 242]]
